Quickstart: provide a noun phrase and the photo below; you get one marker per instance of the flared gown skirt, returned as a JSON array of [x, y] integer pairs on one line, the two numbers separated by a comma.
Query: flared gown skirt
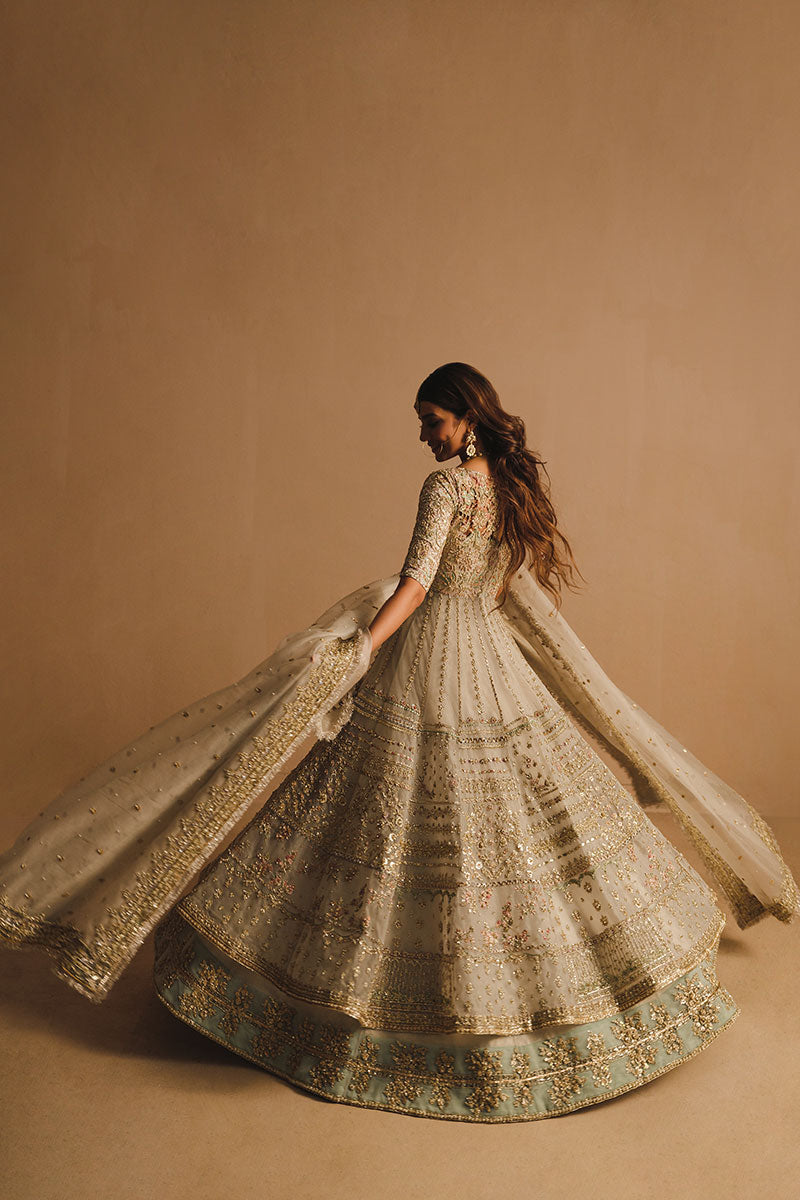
[[453, 908]]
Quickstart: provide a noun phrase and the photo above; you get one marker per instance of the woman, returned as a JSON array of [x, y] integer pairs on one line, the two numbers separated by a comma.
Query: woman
[[450, 907]]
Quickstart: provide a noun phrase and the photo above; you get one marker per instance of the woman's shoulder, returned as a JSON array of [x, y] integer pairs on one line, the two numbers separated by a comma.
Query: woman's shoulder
[[440, 477], [439, 485], [455, 481]]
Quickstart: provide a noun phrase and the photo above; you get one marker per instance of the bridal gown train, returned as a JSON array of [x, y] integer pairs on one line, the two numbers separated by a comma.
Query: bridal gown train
[[450, 907]]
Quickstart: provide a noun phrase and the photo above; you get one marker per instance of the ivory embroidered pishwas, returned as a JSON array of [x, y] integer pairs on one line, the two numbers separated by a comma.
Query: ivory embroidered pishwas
[[451, 907]]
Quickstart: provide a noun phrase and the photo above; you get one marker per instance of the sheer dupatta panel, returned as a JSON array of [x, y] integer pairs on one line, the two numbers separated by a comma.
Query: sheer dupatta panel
[[90, 876], [733, 840]]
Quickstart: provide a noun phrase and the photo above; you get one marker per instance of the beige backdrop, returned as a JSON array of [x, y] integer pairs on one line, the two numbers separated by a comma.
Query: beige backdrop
[[237, 235]]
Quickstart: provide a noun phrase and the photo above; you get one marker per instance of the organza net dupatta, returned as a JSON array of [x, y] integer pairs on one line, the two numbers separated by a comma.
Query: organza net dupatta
[[734, 841], [89, 877]]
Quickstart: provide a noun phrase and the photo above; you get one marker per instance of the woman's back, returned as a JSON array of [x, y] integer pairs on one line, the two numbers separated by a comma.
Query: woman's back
[[454, 547]]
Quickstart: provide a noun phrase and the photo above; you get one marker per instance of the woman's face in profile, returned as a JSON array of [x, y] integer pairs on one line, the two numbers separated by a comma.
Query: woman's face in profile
[[442, 431]]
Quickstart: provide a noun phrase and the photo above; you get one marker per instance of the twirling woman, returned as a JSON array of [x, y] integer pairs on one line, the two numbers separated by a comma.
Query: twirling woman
[[450, 907]]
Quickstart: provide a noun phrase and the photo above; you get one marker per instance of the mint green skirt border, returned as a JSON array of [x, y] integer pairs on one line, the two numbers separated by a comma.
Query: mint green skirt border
[[523, 1077]]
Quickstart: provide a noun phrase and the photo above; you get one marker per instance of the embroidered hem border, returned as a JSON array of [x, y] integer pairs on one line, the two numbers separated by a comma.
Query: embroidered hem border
[[542, 1074]]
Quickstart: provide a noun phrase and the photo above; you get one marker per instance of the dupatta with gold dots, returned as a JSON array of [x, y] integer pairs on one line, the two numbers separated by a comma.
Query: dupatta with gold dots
[[91, 875]]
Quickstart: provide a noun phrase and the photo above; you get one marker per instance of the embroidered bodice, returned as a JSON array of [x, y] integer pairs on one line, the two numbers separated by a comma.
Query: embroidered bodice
[[454, 545]]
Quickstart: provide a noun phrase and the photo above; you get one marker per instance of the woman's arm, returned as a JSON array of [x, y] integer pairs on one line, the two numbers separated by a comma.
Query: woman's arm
[[436, 507], [407, 596]]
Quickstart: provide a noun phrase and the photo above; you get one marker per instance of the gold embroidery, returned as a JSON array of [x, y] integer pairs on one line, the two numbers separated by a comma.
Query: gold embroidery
[[364, 1067], [92, 968], [487, 1093], [521, 1085], [407, 1084], [561, 1056], [435, 509], [236, 1011], [443, 1080], [598, 1060], [632, 1033], [480, 879], [453, 546], [699, 1005], [669, 1034], [373, 1069]]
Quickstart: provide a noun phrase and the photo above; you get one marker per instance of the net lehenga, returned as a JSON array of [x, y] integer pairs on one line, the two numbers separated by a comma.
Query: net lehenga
[[450, 907]]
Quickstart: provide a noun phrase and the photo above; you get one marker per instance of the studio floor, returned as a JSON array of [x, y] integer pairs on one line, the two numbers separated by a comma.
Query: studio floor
[[123, 1100]]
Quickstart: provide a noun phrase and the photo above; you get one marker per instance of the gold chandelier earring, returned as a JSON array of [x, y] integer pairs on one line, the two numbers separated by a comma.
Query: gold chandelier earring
[[470, 444]]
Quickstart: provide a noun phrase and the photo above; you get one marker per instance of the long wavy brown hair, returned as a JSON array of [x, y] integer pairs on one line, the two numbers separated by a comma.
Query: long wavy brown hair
[[527, 517]]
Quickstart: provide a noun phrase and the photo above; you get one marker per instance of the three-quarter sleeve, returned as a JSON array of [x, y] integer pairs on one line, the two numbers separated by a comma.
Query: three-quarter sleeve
[[437, 505]]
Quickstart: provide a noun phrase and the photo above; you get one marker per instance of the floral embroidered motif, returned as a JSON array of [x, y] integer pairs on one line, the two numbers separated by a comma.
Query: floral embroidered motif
[[486, 1093], [598, 1060], [561, 1055], [444, 1080], [275, 1025], [199, 1002], [333, 1050], [211, 976], [277, 1015], [521, 1086], [665, 1023], [635, 1037], [699, 1006], [196, 1004], [236, 1012], [267, 1044], [406, 1085], [365, 1066], [304, 1038]]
